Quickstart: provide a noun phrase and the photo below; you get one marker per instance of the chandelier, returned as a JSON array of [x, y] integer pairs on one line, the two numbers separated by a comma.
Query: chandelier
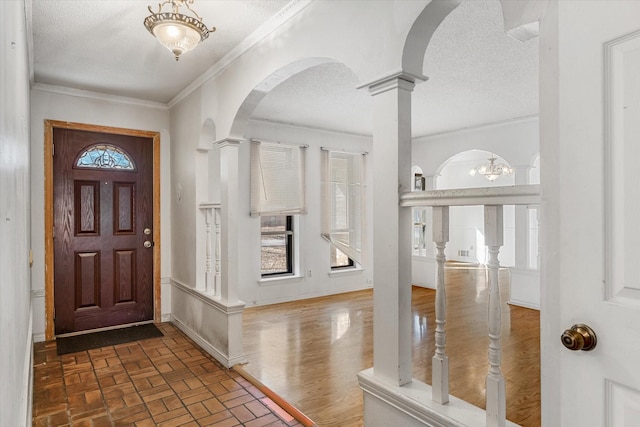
[[491, 170], [177, 32]]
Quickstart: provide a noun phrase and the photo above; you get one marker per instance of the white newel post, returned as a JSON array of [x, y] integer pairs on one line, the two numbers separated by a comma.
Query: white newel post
[[496, 396], [392, 228], [229, 256], [440, 361], [229, 186]]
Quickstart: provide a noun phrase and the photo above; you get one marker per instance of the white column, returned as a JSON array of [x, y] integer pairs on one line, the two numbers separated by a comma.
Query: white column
[[440, 361], [228, 328], [229, 190], [392, 229], [496, 397]]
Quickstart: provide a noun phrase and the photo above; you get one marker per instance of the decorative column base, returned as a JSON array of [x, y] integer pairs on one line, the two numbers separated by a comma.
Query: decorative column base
[[411, 406], [214, 324]]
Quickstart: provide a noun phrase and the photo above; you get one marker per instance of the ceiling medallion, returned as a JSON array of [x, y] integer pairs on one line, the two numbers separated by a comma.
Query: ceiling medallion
[[177, 32], [491, 170]]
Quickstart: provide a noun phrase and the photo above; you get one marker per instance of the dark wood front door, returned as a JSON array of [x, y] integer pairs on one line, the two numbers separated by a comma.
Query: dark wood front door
[[103, 218]]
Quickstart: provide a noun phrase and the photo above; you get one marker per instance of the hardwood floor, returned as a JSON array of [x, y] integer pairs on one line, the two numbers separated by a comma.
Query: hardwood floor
[[310, 351]]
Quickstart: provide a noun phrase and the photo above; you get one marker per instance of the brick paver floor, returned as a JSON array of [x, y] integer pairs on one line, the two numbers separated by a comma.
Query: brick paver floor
[[166, 381]]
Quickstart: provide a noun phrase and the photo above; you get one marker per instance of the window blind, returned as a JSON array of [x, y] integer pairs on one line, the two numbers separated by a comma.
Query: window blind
[[277, 179], [342, 204]]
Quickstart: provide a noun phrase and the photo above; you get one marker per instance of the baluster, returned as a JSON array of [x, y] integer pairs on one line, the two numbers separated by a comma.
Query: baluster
[[440, 361], [207, 264], [496, 397], [218, 252]]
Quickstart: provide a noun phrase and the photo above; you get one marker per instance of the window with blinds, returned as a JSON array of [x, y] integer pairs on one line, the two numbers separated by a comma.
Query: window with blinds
[[342, 206], [277, 179]]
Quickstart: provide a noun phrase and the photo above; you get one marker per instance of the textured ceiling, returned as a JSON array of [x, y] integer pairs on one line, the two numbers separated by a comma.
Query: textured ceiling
[[103, 46], [477, 73]]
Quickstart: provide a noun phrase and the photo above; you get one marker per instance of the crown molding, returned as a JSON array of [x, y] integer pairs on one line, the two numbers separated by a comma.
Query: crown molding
[[79, 93], [499, 123], [262, 32]]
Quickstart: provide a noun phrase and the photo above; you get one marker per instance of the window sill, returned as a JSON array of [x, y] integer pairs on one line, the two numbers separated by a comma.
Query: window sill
[[341, 271], [266, 281]]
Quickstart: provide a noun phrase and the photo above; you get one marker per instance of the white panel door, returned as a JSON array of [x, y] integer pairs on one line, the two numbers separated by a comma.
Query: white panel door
[[590, 160]]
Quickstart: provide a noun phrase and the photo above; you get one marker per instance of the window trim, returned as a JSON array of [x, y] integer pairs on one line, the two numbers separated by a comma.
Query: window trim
[[354, 209], [350, 265], [290, 246]]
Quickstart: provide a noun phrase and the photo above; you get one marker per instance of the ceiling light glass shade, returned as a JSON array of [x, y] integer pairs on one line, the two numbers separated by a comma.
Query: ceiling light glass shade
[[491, 170], [177, 32]]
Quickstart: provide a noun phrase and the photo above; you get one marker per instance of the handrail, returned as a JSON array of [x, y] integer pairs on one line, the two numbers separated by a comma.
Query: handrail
[[493, 199], [510, 195]]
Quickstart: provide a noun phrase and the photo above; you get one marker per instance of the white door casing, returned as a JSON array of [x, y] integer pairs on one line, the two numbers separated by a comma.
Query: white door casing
[[590, 150]]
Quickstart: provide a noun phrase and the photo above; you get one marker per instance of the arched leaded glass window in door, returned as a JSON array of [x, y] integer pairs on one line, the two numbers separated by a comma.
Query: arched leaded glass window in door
[[105, 156]]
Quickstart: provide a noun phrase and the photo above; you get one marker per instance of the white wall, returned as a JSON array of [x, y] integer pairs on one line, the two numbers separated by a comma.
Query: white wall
[[514, 142], [316, 276], [15, 299], [48, 103], [467, 222], [186, 125]]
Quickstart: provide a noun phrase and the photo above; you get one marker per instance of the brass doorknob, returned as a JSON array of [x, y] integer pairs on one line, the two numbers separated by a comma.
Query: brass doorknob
[[579, 337]]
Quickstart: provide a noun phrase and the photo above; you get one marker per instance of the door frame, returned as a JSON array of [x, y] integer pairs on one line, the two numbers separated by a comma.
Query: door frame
[[49, 126]]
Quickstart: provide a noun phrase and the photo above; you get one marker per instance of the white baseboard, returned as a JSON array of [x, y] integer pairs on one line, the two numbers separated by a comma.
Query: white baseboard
[[525, 304], [219, 356]]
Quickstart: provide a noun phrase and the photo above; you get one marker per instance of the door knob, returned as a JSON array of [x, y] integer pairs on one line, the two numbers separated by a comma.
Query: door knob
[[147, 244], [579, 337]]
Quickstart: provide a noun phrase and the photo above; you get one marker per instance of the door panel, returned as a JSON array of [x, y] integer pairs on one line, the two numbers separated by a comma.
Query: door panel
[[103, 199], [590, 147]]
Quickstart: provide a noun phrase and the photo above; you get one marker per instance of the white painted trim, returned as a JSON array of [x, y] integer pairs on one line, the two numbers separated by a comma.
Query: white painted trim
[[27, 390], [78, 93], [414, 400], [510, 195], [345, 271], [311, 128], [222, 358], [525, 304], [392, 77], [275, 280], [218, 303], [28, 11], [523, 119], [327, 293], [37, 293], [262, 32]]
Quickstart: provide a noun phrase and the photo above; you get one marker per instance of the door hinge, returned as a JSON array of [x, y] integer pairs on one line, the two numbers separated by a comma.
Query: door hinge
[[53, 150]]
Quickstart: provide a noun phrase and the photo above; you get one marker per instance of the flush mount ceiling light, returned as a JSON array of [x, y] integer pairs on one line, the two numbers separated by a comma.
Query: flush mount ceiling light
[[491, 170], [177, 32]]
